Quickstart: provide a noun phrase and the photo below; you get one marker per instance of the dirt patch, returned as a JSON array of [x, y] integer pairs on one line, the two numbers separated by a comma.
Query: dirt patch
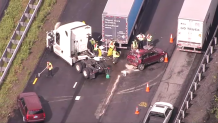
[[202, 105], [36, 51]]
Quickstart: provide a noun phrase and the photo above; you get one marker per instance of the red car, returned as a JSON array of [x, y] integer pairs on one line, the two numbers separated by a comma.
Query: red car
[[142, 57], [30, 107]]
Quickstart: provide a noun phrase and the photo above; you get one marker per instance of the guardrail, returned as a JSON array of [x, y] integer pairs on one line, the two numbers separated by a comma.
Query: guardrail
[[197, 79], [18, 37]]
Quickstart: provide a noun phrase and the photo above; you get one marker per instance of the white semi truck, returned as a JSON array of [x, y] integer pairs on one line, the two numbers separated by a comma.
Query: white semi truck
[[70, 42], [194, 22]]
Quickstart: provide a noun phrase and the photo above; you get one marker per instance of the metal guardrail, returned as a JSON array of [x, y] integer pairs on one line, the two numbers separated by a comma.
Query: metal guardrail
[[18, 37], [197, 79]]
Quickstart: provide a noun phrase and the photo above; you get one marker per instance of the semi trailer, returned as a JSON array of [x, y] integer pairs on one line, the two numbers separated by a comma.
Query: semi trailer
[[194, 23], [120, 20]]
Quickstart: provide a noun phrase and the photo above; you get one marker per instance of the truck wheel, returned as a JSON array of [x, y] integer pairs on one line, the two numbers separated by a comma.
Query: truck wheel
[[161, 59], [86, 73], [141, 67], [79, 67]]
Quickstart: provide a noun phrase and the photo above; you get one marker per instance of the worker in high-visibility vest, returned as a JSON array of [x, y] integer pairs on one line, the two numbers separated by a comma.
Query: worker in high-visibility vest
[[141, 38], [112, 44], [134, 44], [50, 68], [96, 48], [116, 55], [149, 39], [92, 41]]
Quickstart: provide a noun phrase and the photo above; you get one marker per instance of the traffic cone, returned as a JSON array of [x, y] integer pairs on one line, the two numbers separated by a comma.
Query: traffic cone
[[171, 38], [147, 88], [166, 58], [137, 110]]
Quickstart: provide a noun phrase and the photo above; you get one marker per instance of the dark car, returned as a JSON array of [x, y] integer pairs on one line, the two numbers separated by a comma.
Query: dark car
[[30, 107], [142, 57]]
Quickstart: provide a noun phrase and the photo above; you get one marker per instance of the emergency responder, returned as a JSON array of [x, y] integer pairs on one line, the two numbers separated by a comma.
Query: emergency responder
[[141, 38], [96, 48], [112, 44], [149, 39], [111, 48], [92, 41], [116, 55], [50, 68], [134, 44]]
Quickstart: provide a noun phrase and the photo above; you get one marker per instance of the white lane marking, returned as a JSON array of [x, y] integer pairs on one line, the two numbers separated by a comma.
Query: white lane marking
[[60, 100], [75, 85], [64, 97], [131, 91], [133, 88], [77, 98], [111, 93]]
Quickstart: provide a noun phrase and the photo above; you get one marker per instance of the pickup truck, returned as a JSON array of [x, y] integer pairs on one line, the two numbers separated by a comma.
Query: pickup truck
[[160, 112]]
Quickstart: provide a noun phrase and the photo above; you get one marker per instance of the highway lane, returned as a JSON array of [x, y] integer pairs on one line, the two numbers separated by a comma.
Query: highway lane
[[122, 106]]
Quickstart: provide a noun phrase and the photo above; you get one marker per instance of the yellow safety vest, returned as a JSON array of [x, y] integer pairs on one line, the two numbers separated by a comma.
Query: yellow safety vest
[[149, 38], [95, 47], [111, 45], [92, 42], [116, 54], [135, 45], [49, 65]]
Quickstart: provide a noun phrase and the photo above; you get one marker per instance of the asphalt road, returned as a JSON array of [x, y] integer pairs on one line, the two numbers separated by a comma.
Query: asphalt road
[[160, 20], [3, 5]]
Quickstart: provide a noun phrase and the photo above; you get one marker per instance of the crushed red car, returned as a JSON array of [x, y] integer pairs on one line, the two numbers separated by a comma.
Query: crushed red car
[[30, 107], [142, 57]]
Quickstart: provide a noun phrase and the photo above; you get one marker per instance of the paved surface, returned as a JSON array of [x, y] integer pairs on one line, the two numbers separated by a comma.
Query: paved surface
[[96, 97], [3, 5], [130, 90]]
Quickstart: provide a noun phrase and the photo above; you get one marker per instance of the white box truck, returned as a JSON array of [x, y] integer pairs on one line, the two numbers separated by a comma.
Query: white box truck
[[194, 22]]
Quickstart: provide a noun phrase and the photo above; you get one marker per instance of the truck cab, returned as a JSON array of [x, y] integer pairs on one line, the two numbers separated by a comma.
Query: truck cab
[[69, 41]]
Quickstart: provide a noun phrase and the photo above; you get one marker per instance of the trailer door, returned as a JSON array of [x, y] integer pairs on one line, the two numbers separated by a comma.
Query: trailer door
[[114, 28]]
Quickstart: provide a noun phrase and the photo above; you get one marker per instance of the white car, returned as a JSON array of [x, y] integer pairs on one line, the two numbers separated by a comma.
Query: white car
[[160, 112]]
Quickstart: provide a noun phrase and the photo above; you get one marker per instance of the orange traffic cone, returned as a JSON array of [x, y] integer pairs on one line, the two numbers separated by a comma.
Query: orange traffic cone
[[166, 58], [171, 38], [147, 88], [137, 110]]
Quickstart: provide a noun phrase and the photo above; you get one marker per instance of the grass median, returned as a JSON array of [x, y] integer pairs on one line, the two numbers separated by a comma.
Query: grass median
[[12, 86]]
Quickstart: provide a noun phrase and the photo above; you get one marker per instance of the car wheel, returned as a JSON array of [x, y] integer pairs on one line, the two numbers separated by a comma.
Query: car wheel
[[86, 73], [161, 59], [141, 67], [79, 67]]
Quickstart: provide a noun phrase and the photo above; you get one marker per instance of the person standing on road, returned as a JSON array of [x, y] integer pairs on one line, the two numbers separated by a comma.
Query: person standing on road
[[141, 38], [149, 39], [92, 41], [134, 44], [116, 55], [50, 68], [96, 48]]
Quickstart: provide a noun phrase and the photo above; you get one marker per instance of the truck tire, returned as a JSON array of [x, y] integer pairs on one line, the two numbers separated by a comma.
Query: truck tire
[[86, 73], [141, 67], [79, 67]]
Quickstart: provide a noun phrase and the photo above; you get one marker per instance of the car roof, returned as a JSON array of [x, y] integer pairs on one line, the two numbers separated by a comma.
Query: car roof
[[31, 100], [161, 107]]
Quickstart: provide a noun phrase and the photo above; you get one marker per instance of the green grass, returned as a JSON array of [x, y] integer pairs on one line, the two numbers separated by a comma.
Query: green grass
[[9, 91]]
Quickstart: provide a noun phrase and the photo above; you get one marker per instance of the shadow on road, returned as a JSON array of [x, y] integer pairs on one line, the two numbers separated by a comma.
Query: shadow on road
[[47, 109]]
